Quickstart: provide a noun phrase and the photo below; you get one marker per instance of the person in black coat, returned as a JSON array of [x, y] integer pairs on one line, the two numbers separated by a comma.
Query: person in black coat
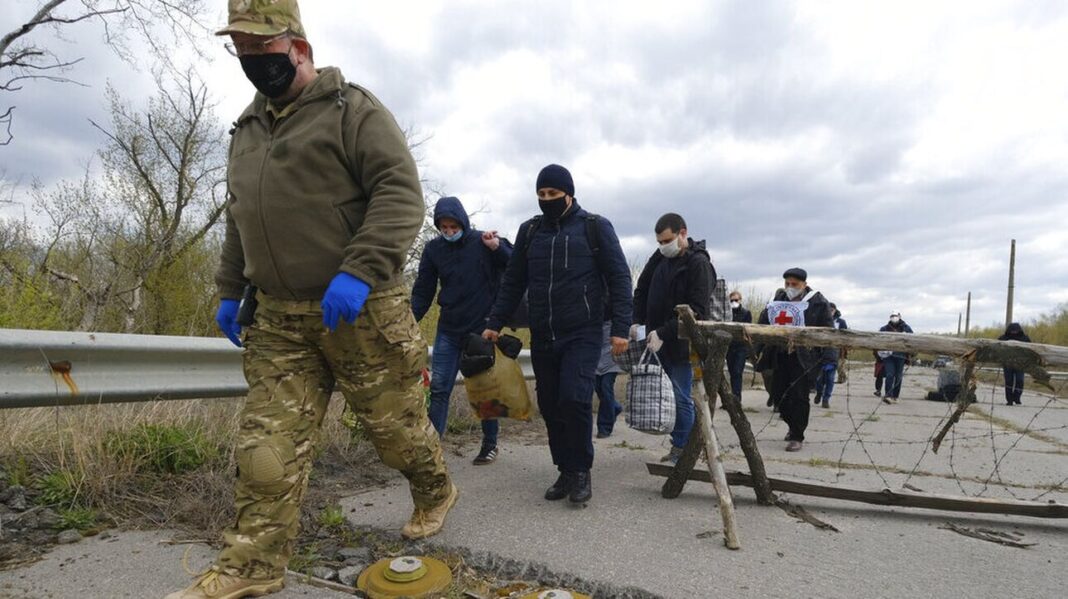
[[1014, 377], [573, 284], [680, 272], [738, 351], [467, 264], [794, 371]]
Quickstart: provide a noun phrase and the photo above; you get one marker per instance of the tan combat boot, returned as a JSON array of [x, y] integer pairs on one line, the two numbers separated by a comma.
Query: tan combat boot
[[425, 523], [217, 585]]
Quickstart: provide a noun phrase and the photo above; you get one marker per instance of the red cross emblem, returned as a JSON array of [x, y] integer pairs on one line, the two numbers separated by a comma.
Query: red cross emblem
[[783, 318]]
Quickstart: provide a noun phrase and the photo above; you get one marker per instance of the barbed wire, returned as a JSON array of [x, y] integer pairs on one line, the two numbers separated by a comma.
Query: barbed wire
[[1003, 439]]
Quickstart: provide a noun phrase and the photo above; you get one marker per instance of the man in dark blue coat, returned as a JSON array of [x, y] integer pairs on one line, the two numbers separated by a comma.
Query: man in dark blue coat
[[680, 272], [468, 264], [566, 260]]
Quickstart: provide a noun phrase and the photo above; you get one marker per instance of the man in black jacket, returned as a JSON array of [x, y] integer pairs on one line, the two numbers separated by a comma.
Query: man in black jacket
[[680, 272], [794, 371], [738, 350], [566, 260]]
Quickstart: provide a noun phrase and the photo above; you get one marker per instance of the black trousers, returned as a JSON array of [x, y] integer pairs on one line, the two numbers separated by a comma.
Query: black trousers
[[1014, 384], [564, 371], [791, 385], [736, 367]]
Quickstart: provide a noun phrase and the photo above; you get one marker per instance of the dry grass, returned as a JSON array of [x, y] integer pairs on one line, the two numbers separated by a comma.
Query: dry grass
[[74, 441]]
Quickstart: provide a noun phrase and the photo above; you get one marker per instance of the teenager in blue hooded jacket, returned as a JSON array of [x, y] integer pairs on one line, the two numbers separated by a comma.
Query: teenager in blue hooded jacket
[[466, 264]]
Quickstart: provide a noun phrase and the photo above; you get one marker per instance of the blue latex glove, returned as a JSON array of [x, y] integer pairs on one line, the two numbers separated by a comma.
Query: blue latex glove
[[344, 299], [226, 318]]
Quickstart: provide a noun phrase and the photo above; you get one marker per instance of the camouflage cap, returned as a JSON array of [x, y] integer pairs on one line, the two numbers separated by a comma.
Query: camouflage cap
[[264, 17]]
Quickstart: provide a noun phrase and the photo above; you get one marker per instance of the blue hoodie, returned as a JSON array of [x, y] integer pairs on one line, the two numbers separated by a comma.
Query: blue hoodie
[[467, 271]]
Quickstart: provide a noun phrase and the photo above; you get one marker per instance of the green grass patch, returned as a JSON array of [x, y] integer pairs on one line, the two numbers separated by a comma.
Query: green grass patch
[[162, 449], [80, 518], [332, 517], [59, 487]]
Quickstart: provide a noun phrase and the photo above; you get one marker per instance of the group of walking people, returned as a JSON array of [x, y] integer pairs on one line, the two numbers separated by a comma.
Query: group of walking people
[[323, 205]]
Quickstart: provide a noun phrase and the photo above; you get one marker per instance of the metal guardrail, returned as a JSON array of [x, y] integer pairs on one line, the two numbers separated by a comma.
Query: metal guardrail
[[59, 368]]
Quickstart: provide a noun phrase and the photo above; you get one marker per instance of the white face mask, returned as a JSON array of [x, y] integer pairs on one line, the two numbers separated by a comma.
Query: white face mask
[[793, 292], [671, 248], [736, 304]]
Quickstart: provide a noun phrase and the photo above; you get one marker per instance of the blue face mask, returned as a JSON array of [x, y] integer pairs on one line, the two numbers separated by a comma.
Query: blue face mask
[[454, 237]]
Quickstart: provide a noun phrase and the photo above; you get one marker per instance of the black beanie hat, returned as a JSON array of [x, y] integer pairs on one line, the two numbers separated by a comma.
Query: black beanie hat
[[796, 273], [556, 177]]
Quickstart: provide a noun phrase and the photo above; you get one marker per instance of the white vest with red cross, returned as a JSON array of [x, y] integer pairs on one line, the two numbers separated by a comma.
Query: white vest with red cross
[[787, 313]]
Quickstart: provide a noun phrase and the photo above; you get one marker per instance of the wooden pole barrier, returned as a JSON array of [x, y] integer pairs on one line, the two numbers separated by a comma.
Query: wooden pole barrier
[[902, 498], [1033, 358]]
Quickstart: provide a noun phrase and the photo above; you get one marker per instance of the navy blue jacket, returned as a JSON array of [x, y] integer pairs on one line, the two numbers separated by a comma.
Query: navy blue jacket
[[467, 270], [900, 327], [565, 283], [669, 282]]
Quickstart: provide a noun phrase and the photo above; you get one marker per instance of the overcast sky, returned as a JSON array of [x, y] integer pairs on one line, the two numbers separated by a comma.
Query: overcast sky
[[892, 149]]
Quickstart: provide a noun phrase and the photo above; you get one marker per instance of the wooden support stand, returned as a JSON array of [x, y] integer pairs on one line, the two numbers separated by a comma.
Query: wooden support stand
[[703, 437]]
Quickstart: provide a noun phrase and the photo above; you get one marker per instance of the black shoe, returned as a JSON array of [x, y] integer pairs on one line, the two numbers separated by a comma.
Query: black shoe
[[603, 435], [486, 456], [560, 489], [582, 491], [816, 401], [770, 402]]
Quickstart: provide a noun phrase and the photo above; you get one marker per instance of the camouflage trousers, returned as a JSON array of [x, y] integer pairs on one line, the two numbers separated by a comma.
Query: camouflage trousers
[[292, 364]]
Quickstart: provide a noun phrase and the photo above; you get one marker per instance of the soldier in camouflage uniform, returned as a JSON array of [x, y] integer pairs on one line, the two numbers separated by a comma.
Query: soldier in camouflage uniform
[[324, 202]]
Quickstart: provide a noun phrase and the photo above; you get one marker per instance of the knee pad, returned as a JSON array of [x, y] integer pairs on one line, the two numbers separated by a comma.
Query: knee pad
[[268, 466]]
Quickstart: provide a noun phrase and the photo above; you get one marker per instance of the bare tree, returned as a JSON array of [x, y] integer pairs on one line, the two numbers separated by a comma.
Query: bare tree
[[112, 241], [24, 56]]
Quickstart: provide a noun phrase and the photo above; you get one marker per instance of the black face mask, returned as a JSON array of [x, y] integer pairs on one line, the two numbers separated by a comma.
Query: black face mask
[[271, 74], [553, 208]]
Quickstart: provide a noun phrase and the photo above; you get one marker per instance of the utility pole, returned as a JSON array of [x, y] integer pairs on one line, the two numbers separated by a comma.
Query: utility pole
[[1012, 283], [968, 315], [959, 317]]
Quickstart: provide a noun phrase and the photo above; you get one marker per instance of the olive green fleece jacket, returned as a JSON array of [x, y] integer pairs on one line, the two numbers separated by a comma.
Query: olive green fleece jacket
[[327, 187]]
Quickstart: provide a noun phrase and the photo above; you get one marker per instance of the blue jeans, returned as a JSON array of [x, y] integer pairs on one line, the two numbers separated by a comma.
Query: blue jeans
[[736, 367], [894, 367], [444, 364], [825, 383], [681, 376], [609, 408]]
